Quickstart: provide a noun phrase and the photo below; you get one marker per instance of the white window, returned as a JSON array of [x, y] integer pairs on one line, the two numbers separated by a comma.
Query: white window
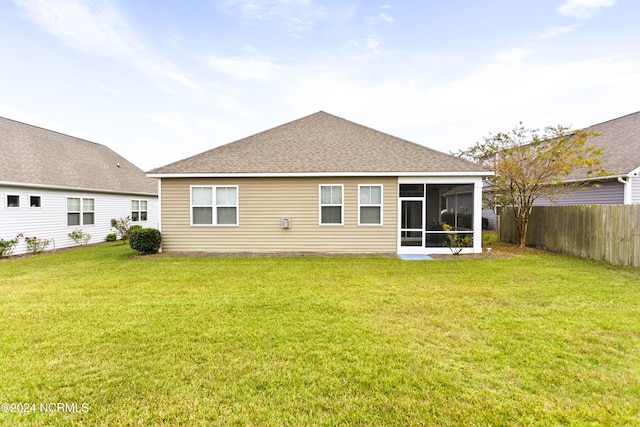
[[138, 210], [13, 201], [214, 205], [331, 205], [370, 205], [80, 211], [35, 201]]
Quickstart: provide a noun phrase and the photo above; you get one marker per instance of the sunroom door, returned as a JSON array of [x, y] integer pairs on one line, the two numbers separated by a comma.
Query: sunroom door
[[411, 226]]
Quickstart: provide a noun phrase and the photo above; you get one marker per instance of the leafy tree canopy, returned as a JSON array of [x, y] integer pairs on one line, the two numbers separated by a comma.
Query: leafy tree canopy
[[531, 163]]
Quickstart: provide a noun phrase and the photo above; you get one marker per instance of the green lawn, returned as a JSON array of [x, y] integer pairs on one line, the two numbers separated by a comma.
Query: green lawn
[[535, 339]]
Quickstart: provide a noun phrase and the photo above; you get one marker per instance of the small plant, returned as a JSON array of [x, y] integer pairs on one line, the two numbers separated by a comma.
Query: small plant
[[35, 245], [146, 240], [7, 246], [80, 237], [112, 237], [489, 238], [456, 243], [122, 227]]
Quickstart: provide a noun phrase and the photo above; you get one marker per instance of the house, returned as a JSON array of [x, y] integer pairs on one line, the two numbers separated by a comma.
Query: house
[[319, 184], [620, 141], [52, 184]]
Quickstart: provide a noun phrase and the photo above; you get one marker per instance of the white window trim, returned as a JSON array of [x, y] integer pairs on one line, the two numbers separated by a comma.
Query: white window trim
[[38, 196], [140, 210], [360, 205], [6, 200], [320, 205], [81, 211], [214, 206]]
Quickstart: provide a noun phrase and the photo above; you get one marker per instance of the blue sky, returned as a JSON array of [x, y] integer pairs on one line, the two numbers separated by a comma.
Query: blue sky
[[161, 80]]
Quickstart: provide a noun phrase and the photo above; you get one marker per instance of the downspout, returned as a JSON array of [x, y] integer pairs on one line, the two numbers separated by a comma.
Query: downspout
[[627, 188]]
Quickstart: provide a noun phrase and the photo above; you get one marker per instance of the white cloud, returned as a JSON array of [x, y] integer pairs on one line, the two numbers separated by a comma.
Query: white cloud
[[105, 88], [511, 56], [557, 31], [491, 98], [385, 17], [294, 17], [96, 28], [584, 9], [243, 69], [92, 27]]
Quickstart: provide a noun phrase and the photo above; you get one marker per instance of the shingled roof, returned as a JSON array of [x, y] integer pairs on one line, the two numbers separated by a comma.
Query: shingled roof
[[320, 143], [621, 143], [40, 157]]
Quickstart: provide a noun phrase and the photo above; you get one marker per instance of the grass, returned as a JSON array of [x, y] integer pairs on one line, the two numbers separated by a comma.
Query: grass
[[535, 339]]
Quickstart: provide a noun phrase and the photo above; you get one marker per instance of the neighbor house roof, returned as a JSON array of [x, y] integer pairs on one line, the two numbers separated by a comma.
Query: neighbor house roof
[[620, 142], [39, 157], [320, 143]]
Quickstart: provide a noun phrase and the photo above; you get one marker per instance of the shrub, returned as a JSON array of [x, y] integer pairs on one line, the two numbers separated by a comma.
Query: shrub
[[489, 238], [122, 227], [456, 242], [134, 228], [112, 237], [80, 237], [7, 246], [35, 245], [145, 240]]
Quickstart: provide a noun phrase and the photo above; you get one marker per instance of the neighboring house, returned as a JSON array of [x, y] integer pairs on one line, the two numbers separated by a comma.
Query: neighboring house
[[52, 184], [620, 142], [319, 184]]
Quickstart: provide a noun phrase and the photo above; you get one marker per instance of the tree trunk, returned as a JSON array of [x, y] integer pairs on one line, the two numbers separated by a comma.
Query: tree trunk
[[522, 222]]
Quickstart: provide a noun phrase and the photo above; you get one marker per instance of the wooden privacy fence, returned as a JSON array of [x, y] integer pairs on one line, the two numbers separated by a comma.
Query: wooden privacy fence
[[605, 232]]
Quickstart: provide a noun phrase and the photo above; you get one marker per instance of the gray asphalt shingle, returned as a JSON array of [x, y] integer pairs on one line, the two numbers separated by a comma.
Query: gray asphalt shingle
[[321, 143], [33, 155]]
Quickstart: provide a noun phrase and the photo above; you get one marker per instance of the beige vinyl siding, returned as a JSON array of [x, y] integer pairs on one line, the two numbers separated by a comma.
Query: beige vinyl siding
[[263, 202]]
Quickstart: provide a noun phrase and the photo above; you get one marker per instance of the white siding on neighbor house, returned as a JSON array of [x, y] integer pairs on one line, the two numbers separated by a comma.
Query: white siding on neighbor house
[[49, 221], [491, 216], [634, 182], [606, 193]]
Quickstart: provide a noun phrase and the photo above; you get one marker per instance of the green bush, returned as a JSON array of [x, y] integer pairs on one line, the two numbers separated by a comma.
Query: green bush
[[7, 246], [145, 240], [489, 237], [112, 237], [80, 237]]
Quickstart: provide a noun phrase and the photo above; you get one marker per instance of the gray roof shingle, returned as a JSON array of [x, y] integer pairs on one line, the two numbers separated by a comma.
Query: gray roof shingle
[[621, 143], [37, 156], [320, 143]]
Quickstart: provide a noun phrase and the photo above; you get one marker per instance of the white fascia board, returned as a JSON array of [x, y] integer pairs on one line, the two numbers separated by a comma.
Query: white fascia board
[[635, 172], [596, 178], [76, 189], [315, 174]]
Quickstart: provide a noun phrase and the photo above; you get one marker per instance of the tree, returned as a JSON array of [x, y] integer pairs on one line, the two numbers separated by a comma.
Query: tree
[[529, 163]]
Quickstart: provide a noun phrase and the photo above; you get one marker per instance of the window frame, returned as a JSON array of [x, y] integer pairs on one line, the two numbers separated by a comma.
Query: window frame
[[214, 206], [323, 205], [370, 205], [8, 205], [32, 198], [139, 211], [82, 211]]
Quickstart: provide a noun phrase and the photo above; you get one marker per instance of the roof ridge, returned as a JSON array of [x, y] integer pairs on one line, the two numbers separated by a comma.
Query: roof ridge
[[611, 120], [395, 137], [53, 131]]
